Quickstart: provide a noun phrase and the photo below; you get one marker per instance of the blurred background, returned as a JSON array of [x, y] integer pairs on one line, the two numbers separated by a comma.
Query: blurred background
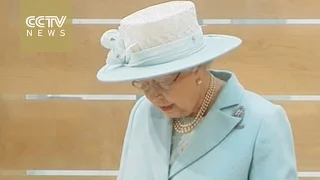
[[58, 122]]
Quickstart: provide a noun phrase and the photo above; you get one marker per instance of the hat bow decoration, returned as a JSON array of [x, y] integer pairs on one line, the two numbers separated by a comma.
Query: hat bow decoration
[[118, 55]]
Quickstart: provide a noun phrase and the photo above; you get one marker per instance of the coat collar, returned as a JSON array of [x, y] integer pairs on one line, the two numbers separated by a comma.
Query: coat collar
[[208, 134]]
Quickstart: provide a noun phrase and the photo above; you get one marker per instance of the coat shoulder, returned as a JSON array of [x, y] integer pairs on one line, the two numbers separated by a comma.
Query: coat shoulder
[[267, 115], [258, 106], [141, 110], [141, 106]]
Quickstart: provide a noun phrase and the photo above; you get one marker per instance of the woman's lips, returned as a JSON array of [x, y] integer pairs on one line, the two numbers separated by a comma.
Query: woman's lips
[[167, 108]]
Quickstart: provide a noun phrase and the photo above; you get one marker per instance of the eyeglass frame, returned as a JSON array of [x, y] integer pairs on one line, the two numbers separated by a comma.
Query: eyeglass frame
[[156, 84]]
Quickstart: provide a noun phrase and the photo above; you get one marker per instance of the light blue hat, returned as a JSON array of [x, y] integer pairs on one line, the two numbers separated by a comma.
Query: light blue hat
[[160, 40]]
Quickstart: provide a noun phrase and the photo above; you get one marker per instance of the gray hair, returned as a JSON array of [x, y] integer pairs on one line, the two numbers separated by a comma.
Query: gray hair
[[205, 66]]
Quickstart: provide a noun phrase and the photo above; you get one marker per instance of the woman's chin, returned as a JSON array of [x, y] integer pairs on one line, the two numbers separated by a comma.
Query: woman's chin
[[172, 114]]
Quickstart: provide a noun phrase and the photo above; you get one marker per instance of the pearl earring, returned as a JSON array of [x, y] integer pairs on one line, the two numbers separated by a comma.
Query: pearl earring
[[198, 81]]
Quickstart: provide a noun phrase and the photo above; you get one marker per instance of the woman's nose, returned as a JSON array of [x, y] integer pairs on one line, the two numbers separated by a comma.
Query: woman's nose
[[155, 93]]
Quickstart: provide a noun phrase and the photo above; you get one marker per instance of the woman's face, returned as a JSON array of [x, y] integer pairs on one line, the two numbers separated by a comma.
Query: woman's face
[[176, 94]]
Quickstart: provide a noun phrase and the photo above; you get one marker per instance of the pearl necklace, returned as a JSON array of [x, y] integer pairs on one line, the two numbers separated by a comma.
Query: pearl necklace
[[187, 128]]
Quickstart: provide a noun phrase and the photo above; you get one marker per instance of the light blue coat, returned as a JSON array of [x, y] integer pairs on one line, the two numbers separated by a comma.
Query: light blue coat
[[258, 146]]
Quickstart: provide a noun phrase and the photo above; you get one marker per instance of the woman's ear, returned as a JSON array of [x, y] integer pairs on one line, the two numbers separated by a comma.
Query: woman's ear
[[196, 69], [200, 70]]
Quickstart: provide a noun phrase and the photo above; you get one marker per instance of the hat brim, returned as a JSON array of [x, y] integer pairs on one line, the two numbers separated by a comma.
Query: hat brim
[[215, 46]]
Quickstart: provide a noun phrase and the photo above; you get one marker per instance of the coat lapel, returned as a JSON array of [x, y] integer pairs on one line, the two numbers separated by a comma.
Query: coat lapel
[[160, 131], [215, 126]]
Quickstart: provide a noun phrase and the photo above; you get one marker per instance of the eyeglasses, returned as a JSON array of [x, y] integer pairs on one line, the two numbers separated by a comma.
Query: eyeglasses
[[145, 86]]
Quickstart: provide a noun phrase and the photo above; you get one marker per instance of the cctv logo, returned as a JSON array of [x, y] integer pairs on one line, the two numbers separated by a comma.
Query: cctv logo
[[46, 25]]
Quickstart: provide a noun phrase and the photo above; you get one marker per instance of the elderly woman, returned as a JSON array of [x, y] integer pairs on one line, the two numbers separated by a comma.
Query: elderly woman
[[193, 123]]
